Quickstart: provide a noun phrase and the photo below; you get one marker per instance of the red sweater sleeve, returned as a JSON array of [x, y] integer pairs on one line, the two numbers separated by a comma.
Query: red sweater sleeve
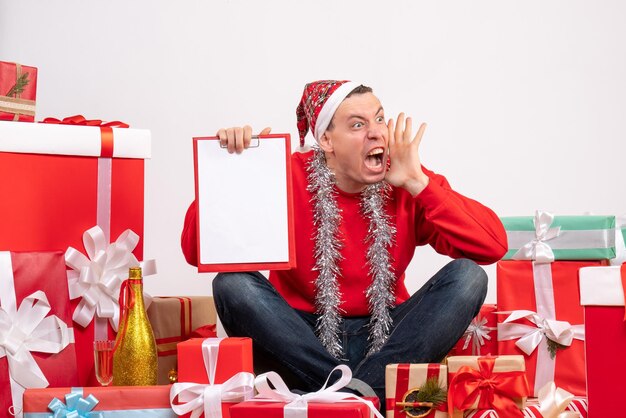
[[188, 239], [456, 225]]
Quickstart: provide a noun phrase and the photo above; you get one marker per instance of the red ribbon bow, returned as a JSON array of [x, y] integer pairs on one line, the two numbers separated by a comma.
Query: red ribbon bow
[[492, 390]]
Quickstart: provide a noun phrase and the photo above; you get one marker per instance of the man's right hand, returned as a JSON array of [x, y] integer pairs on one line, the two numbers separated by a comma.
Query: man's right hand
[[237, 139]]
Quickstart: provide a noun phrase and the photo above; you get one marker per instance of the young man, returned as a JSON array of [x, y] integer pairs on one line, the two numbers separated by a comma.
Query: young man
[[363, 202]]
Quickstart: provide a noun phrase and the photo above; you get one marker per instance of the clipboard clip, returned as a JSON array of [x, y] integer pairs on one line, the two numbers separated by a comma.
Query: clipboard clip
[[254, 142]]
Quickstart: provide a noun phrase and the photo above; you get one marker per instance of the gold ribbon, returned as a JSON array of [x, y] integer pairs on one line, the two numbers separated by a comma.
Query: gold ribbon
[[17, 105]]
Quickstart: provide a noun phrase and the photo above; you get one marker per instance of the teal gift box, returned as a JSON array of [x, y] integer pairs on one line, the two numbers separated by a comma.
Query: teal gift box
[[545, 237]]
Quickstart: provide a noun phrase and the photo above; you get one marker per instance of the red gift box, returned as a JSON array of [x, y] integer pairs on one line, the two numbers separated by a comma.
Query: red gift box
[[480, 337], [603, 292], [18, 92], [249, 409], [58, 186], [400, 379], [223, 363], [111, 401], [33, 288], [545, 299]]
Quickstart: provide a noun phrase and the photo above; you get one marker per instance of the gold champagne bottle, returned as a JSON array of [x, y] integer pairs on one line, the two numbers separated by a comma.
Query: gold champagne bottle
[[135, 356]]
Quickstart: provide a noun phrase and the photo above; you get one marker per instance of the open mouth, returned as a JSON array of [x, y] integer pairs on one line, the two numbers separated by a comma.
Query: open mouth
[[374, 158]]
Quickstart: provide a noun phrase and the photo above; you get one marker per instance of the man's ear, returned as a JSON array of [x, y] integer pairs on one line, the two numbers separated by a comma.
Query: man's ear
[[326, 142]]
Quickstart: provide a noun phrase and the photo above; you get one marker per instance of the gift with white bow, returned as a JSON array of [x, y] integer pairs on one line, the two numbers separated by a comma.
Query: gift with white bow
[[213, 375], [541, 318], [545, 237], [275, 400], [480, 337], [603, 295], [99, 402], [94, 283], [36, 339]]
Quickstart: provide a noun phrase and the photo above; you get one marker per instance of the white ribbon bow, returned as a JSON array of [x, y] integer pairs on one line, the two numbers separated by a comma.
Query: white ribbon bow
[[528, 337], [29, 329], [97, 278], [200, 398], [538, 249], [553, 401], [477, 332], [297, 405]]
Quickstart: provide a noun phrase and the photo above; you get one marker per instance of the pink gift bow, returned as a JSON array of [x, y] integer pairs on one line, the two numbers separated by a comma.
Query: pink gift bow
[[200, 398], [537, 249], [477, 332], [98, 276], [297, 405]]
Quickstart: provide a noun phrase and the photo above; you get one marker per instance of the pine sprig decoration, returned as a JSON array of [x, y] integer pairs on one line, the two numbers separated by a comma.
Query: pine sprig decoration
[[19, 85], [430, 391], [553, 347]]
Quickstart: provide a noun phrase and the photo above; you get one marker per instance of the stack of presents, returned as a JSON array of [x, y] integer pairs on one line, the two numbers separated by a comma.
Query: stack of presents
[[553, 346]]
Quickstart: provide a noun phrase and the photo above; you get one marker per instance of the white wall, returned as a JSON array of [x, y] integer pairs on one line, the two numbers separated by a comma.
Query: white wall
[[526, 101]]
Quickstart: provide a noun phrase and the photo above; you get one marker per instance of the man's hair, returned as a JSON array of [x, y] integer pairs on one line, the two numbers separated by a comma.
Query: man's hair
[[360, 89]]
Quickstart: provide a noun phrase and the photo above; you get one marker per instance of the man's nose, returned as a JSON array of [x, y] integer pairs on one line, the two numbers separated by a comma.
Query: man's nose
[[376, 132]]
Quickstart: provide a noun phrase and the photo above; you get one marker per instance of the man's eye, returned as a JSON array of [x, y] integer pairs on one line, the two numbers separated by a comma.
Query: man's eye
[[358, 125], [380, 119]]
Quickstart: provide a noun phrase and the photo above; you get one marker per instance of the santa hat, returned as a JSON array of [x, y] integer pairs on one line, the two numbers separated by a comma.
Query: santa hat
[[319, 102]]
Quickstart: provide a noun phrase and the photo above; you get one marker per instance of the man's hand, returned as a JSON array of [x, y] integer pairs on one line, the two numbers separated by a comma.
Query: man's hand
[[406, 169], [237, 139]]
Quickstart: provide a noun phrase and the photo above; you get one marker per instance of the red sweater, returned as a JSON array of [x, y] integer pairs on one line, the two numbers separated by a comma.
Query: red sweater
[[452, 224]]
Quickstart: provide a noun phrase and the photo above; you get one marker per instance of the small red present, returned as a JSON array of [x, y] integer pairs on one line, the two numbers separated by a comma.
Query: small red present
[[103, 402], [546, 324], [480, 337], [18, 92], [488, 382], [602, 293], [213, 375], [173, 320], [61, 180], [36, 344], [276, 401], [402, 383]]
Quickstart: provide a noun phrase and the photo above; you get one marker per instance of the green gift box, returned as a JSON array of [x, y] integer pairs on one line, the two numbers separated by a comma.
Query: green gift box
[[545, 238]]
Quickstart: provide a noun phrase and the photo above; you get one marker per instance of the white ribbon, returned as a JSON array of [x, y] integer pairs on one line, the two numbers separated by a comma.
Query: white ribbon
[[297, 405], [477, 332], [200, 398], [553, 401], [24, 330], [98, 276], [538, 249]]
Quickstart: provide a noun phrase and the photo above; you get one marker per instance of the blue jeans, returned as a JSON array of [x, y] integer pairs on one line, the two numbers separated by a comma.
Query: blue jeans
[[425, 327]]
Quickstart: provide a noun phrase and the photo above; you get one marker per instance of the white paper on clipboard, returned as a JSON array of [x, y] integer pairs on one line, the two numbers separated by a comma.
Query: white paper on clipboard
[[243, 203]]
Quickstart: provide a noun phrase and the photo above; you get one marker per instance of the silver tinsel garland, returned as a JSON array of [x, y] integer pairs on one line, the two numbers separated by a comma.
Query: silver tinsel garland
[[328, 243]]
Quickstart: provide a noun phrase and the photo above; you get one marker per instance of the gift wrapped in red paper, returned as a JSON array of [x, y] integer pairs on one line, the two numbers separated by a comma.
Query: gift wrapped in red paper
[[403, 382], [36, 344], [488, 382], [173, 320], [103, 402], [59, 180], [213, 375], [602, 293], [480, 337], [275, 400], [18, 92], [546, 324]]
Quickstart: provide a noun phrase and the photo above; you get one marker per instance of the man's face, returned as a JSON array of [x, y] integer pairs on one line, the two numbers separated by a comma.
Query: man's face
[[356, 145]]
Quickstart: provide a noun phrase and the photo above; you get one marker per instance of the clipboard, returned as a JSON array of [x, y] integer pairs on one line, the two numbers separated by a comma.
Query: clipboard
[[245, 206]]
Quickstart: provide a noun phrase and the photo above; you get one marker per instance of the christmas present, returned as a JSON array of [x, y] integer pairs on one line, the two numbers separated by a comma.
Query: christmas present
[[553, 402], [488, 382], [602, 292], [546, 323], [173, 319], [225, 379], [18, 92], [276, 401], [229, 356], [416, 390], [99, 402], [545, 238], [62, 180], [36, 343], [480, 337]]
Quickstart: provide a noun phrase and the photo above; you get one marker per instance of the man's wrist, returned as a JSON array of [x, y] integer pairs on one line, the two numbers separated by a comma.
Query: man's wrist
[[416, 186]]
